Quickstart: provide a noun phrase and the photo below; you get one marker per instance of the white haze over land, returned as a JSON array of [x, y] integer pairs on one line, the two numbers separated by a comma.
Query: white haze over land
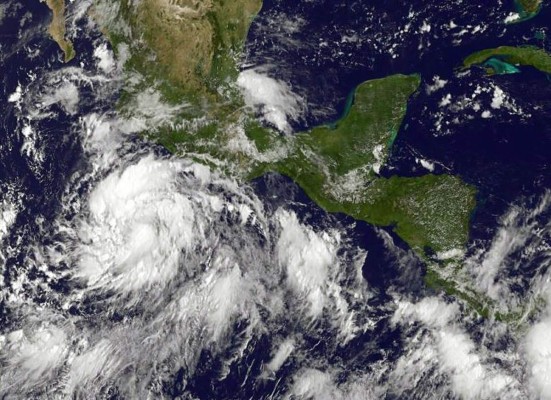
[[163, 258]]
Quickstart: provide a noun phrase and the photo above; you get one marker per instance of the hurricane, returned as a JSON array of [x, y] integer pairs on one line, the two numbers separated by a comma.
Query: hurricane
[[134, 271]]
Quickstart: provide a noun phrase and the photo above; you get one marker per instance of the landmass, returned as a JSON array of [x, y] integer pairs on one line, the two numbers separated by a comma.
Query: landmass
[[513, 55], [57, 28], [337, 166], [529, 6], [526, 9], [196, 40], [189, 48]]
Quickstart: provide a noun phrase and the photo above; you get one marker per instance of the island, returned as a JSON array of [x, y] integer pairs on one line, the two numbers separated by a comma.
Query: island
[[512, 55]]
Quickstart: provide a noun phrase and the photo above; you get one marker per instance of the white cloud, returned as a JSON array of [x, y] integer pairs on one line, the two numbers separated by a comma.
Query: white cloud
[[274, 99], [512, 17], [65, 95], [155, 235], [283, 352], [8, 213], [437, 84], [314, 384], [103, 359], [499, 98], [471, 379], [446, 100], [307, 258], [538, 355], [139, 225], [106, 62], [471, 375], [32, 356], [516, 233], [426, 164], [431, 311], [147, 112], [15, 97]]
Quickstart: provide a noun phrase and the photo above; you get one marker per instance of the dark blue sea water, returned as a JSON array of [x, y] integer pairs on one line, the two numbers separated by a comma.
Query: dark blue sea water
[[37, 186], [324, 49]]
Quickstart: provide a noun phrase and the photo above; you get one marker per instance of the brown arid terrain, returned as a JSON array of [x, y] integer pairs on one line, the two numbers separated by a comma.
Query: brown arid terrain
[[57, 28], [194, 40]]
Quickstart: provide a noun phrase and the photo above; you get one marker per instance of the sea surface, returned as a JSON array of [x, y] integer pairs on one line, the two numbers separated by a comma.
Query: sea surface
[[65, 161]]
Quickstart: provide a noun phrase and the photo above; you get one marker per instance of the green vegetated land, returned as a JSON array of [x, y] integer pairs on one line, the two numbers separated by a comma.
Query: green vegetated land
[[336, 166], [515, 55], [529, 7]]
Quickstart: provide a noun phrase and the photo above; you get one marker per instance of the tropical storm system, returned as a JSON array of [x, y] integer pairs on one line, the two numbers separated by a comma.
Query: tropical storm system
[[278, 199]]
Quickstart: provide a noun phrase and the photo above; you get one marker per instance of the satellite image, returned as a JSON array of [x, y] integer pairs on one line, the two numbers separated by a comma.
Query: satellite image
[[275, 199]]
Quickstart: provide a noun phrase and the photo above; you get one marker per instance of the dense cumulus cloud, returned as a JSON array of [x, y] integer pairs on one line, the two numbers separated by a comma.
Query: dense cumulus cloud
[[156, 270]]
